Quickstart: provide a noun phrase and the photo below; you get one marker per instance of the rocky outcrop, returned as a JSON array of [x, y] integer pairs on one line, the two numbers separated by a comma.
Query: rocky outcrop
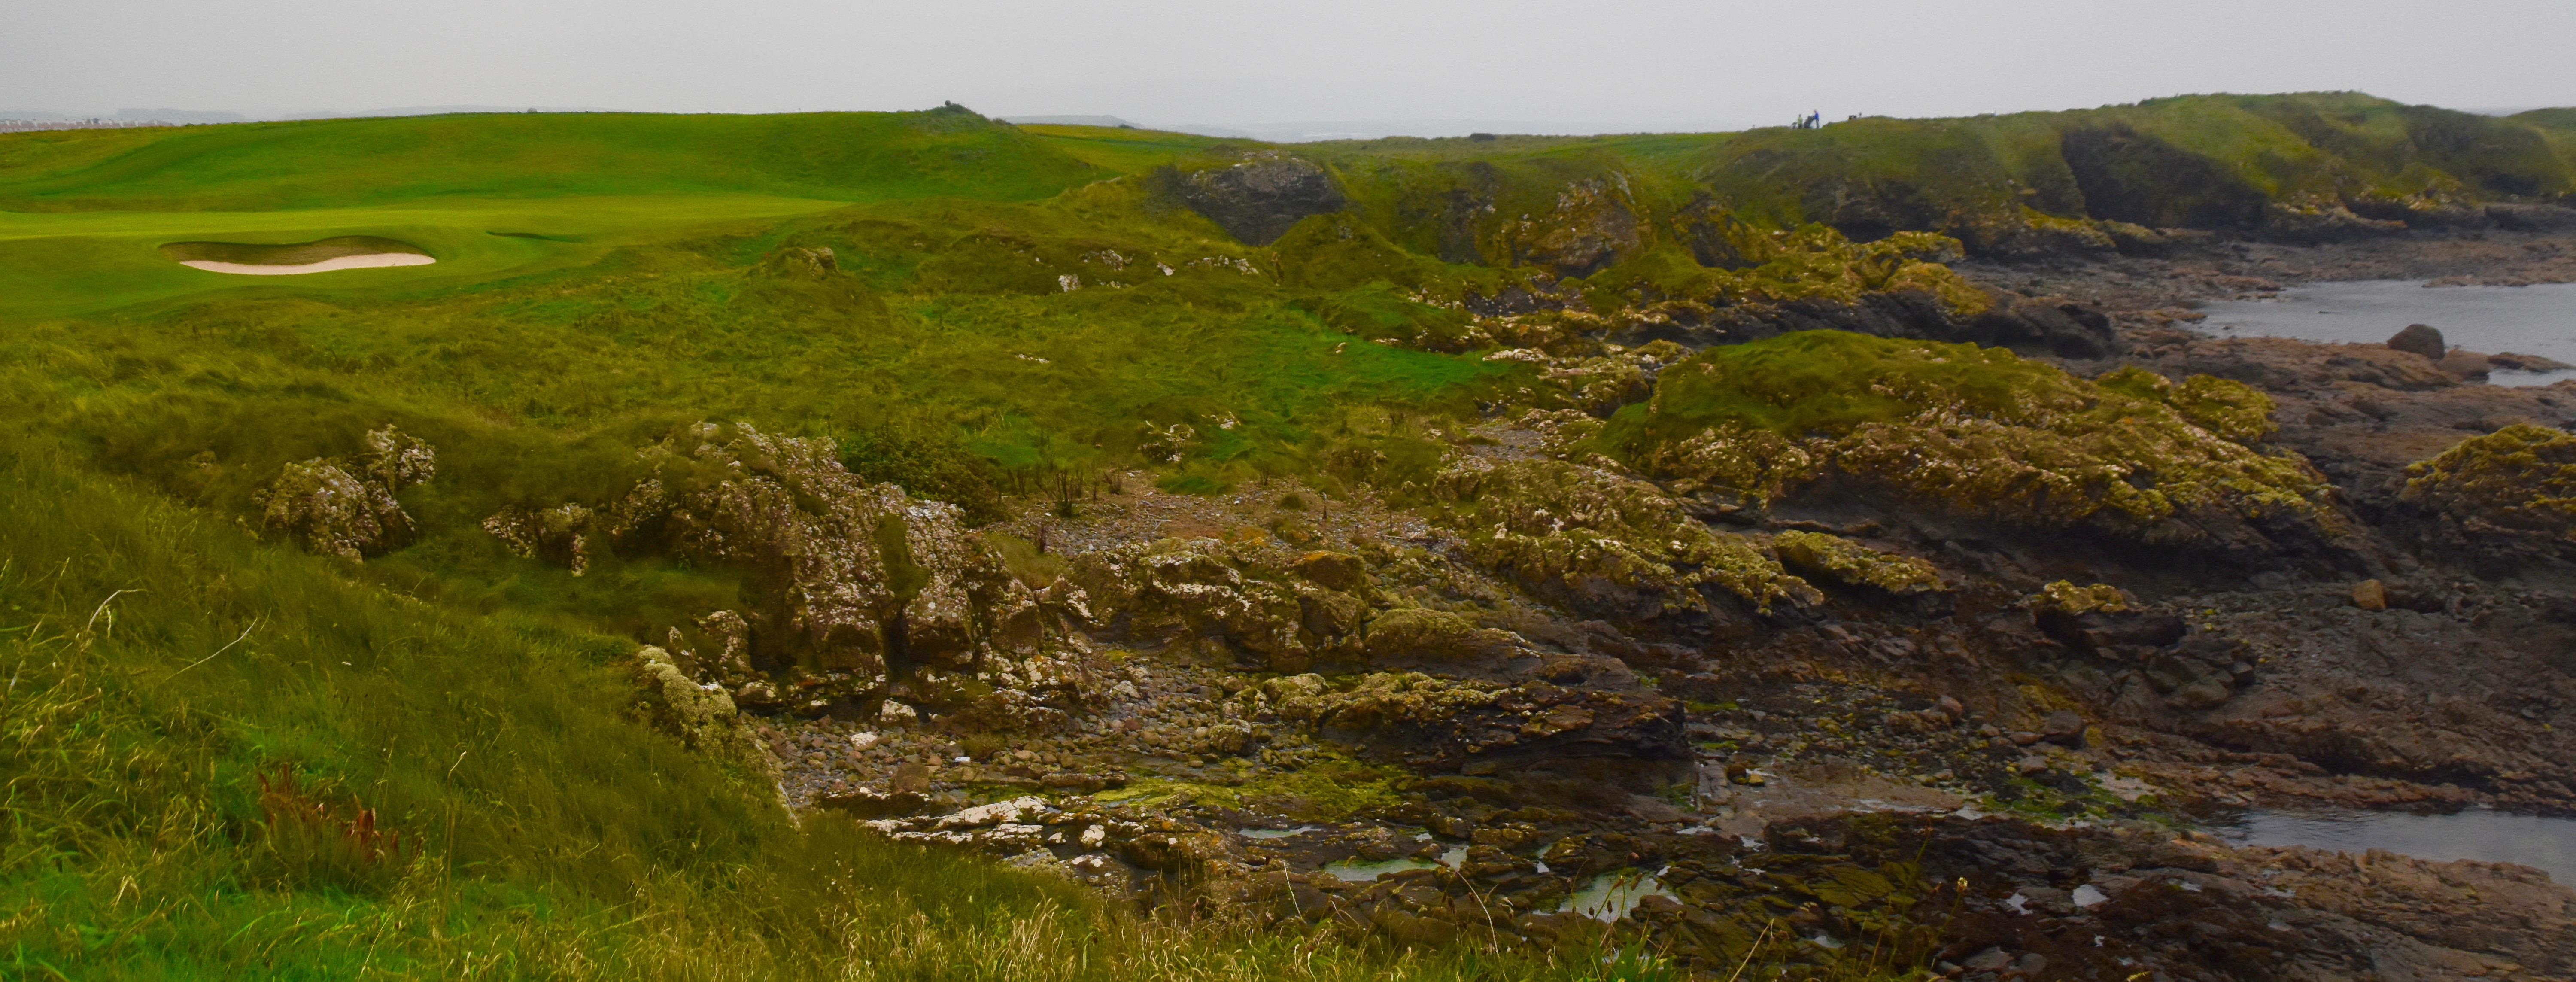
[[559, 535], [1434, 724], [1257, 199], [704, 718], [1593, 225], [861, 594], [345, 509], [1611, 546], [2168, 466], [2510, 494]]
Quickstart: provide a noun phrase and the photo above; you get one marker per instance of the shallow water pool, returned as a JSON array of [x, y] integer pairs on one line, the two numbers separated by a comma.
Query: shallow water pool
[[2531, 320], [2544, 843]]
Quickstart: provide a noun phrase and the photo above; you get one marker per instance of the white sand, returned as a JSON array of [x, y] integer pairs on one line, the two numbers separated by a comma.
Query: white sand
[[325, 266]]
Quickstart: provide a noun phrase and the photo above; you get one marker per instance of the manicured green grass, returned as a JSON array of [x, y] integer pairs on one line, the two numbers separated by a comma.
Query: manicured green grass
[[343, 163], [67, 263]]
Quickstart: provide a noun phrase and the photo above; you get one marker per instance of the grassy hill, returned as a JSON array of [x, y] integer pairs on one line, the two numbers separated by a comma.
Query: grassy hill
[[972, 309]]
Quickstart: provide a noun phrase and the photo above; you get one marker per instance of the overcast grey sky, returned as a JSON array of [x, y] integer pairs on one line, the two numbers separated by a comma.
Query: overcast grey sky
[[1611, 64]]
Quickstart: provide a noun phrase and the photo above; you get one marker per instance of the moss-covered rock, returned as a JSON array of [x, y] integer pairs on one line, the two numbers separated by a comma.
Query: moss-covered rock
[[2063, 597], [705, 719], [1604, 542], [347, 509], [858, 589], [1832, 558], [1973, 431], [2522, 477], [1440, 723]]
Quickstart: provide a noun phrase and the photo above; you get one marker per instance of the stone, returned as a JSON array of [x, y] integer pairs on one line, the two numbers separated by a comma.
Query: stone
[[2420, 339], [2370, 595], [910, 778], [2031, 766], [867, 803], [347, 509], [1333, 570], [893, 713], [2466, 364], [2064, 727]]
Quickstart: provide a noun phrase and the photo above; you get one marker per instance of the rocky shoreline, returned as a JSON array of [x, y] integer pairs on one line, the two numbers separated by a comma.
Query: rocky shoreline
[[1557, 701]]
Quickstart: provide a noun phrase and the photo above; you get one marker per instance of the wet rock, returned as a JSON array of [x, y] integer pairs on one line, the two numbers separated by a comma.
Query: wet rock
[[2421, 339]]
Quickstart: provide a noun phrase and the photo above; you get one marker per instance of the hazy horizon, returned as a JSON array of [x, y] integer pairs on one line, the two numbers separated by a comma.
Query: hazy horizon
[[1625, 66]]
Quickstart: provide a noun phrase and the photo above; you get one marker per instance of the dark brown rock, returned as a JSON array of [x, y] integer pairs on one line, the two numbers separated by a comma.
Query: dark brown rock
[[2420, 339]]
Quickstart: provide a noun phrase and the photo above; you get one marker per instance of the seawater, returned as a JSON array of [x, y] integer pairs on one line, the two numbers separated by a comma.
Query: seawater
[[2541, 842], [2531, 320]]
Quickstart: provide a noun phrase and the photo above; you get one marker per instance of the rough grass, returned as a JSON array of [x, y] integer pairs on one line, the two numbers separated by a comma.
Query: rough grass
[[161, 665]]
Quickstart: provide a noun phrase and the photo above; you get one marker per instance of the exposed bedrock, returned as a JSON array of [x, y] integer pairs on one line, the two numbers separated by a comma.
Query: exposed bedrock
[[1258, 199]]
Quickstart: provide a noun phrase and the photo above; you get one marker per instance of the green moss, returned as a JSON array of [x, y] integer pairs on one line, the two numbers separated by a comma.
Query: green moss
[[2519, 477], [2064, 597], [1326, 786], [1557, 526], [1817, 555], [1972, 430]]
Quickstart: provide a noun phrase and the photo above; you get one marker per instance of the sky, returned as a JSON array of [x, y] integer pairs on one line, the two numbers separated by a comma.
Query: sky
[[1599, 66]]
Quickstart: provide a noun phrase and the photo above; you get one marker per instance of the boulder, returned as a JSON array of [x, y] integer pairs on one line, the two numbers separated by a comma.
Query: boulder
[[2421, 339], [2466, 364]]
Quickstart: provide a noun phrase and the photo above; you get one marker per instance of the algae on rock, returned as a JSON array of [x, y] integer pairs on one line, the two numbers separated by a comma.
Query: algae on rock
[[1840, 560], [2522, 477]]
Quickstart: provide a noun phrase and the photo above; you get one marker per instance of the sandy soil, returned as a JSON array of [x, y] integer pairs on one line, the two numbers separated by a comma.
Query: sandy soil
[[325, 266]]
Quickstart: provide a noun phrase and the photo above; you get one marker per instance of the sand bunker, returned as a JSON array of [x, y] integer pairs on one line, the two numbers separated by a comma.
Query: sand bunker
[[344, 252]]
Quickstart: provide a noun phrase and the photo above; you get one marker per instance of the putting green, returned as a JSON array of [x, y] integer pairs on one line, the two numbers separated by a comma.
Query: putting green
[[66, 263]]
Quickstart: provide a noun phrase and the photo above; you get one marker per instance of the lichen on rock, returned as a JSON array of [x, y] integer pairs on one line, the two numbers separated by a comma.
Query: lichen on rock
[[703, 717], [2065, 598], [559, 535], [1601, 540], [346, 509], [857, 586]]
